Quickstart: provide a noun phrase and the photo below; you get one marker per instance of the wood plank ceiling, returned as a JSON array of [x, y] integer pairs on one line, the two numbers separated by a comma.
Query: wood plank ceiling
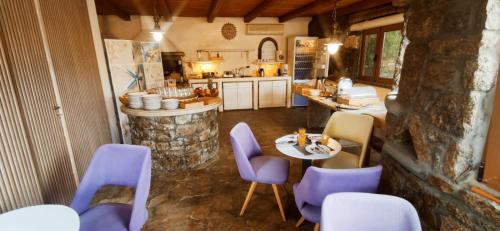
[[249, 9]]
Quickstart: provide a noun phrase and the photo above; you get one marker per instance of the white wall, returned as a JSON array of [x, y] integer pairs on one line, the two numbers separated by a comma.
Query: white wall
[[189, 34]]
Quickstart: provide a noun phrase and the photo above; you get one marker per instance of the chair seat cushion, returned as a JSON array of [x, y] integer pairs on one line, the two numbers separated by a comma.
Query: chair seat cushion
[[270, 170], [343, 160], [109, 217]]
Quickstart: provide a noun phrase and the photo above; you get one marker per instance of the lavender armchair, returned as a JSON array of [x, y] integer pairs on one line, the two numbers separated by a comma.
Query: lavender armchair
[[255, 167], [317, 183], [115, 164], [343, 211]]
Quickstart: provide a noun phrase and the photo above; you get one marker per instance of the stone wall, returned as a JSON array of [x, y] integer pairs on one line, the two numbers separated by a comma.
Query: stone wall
[[178, 142], [438, 123]]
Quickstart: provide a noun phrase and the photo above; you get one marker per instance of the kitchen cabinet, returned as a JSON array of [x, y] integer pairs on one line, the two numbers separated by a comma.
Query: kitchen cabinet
[[238, 95], [272, 93]]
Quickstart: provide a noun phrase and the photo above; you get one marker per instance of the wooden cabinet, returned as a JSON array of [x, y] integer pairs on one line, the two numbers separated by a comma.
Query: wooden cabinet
[[272, 93], [237, 95]]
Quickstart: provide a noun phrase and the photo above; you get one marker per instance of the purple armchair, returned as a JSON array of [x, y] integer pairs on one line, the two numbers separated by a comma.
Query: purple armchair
[[343, 211], [115, 164], [255, 167], [317, 183]]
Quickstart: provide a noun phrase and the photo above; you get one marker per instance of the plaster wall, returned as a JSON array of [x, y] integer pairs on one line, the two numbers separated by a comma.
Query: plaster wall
[[189, 34]]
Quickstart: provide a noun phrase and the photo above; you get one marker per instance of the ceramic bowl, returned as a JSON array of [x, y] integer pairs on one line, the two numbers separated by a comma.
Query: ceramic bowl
[[170, 104]]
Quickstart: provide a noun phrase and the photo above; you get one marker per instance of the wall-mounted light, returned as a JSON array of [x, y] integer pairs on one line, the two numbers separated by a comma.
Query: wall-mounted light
[[156, 32], [334, 44]]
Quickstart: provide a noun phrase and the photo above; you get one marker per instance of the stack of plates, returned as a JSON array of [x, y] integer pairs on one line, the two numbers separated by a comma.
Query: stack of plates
[[152, 101], [135, 99]]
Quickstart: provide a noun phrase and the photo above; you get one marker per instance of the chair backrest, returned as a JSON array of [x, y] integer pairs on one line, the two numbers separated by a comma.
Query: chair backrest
[[352, 127], [344, 211], [245, 147], [122, 165], [317, 183]]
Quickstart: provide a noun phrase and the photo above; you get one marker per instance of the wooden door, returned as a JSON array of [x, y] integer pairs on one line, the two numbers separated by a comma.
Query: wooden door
[[33, 79], [279, 93], [265, 94], [230, 91], [71, 46], [245, 95]]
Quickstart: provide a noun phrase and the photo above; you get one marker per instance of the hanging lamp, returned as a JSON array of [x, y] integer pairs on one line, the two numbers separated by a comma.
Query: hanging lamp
[[334, 43], [156, 32]]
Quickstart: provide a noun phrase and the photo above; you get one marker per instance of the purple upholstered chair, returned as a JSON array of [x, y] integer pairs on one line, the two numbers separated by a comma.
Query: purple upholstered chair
[[317, 183], [115, 164], [255, 167], [344, 211]]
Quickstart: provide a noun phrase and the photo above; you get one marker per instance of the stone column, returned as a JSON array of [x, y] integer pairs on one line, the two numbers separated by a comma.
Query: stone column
[[438, 123]]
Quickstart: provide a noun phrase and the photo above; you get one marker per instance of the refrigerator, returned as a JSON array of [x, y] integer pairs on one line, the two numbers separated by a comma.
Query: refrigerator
[[307, 59]]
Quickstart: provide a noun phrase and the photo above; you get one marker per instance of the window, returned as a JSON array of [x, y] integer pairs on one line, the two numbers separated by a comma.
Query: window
[[379, 52]]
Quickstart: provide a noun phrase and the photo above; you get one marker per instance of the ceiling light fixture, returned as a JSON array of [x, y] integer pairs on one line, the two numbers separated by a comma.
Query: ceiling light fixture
[[334, 44], [156, 32]]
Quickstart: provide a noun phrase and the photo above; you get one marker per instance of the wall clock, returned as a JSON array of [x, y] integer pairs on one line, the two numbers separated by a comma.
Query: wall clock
[[228, 31]]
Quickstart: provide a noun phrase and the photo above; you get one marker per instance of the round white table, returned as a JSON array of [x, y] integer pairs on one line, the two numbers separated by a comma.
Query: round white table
[[41, 218], [298, 152]]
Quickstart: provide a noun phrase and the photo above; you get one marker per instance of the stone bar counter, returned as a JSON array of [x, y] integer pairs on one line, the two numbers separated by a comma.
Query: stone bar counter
[[179, 139]]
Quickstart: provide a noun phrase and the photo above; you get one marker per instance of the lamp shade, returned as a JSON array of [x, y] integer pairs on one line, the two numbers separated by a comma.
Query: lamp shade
[[333, 45]]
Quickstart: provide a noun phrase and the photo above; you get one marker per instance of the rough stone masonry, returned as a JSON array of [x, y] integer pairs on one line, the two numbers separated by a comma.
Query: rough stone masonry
[[438, 123], [178, 142]]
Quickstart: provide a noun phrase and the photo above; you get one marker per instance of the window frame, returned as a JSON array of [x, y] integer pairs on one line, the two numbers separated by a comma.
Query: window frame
[[376, 79]]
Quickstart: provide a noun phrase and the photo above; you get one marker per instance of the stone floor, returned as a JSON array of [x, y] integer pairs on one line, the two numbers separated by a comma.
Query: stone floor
[[211, 198]]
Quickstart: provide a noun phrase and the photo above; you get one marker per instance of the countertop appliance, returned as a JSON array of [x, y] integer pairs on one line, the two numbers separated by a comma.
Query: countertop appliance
[[343, 84], [172, 65]]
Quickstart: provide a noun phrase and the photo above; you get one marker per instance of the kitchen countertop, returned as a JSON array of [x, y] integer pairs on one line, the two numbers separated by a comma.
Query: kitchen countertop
[[241, 79]]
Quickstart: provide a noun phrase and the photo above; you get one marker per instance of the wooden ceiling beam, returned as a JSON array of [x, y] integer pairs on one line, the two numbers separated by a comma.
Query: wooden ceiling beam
[[257, 10], [119, 11], [214, 9], [165, 10], [303, 10], [361, 6]]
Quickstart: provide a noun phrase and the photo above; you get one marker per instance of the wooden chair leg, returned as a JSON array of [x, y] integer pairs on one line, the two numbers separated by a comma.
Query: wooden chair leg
[[301, 220], [249, 196], [278, 199], [316, 227]]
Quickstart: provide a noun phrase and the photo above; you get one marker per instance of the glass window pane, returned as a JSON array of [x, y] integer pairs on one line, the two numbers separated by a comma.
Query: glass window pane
[[370, 46], [392, 41]]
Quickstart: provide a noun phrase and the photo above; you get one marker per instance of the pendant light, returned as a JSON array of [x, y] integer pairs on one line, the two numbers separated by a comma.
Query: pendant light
[[334, 44], [156, 32]]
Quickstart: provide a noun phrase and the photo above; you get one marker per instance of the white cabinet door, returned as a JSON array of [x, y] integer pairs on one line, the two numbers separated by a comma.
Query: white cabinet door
[[245, 95], [265, 94], [279, 93], [230, 95]]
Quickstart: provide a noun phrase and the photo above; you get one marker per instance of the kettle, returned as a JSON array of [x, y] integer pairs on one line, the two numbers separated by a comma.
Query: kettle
[[343, 84]]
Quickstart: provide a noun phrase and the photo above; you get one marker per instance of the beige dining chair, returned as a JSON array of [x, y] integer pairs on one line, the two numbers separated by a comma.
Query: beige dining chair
[[352, 127]]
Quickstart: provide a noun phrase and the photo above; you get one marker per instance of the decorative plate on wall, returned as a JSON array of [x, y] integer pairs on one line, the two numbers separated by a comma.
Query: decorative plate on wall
[[228, 31]]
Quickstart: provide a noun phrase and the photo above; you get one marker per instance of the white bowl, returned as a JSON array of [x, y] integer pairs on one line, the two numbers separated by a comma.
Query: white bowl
[[136, 95], [170, 104]]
